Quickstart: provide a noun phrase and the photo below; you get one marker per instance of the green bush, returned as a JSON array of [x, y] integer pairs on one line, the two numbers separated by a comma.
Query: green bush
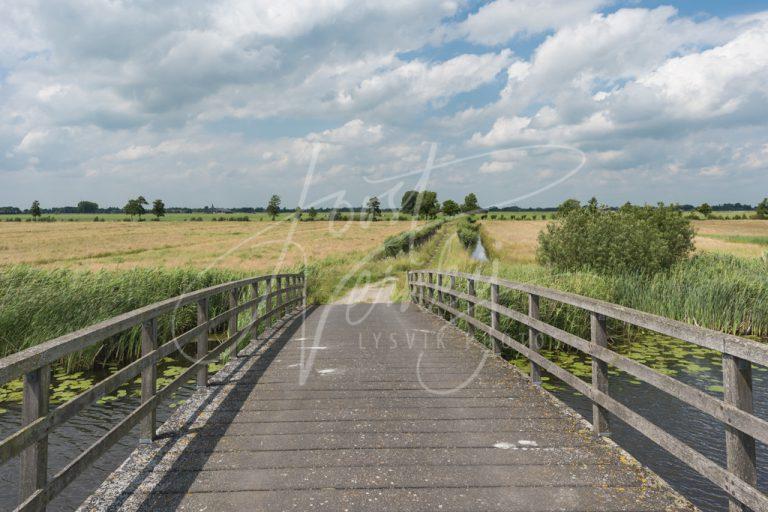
[[403, 242], [468, 231], [633, 239]]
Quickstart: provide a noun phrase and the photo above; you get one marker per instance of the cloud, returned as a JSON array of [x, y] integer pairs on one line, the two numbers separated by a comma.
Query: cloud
[[502, 20]]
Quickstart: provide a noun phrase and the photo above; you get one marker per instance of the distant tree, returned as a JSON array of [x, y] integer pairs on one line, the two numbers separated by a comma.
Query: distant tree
[[297, 213], [158, 208], [451, 207], [373, 208], [705, 209], [312, 213], [408, 202], [273, 207], [135, 207], [470, 203], [762, 209], [87, 207], [35, 209], [426, 204]]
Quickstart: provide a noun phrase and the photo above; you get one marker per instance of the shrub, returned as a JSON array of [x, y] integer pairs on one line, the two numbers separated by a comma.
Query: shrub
[[633, 239], [468, 231], [403, 242]]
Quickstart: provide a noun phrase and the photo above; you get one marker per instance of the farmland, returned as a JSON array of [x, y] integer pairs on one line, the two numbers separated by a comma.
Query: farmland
[[243, 246]]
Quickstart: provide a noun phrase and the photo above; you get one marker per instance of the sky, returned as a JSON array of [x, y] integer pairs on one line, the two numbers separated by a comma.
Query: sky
[[329, 102]]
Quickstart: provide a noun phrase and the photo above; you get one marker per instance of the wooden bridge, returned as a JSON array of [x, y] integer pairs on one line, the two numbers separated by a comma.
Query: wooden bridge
[[379, 407]]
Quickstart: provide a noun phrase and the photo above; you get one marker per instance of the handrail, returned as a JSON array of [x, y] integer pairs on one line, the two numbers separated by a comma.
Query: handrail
[[735, 410], [281, 293]]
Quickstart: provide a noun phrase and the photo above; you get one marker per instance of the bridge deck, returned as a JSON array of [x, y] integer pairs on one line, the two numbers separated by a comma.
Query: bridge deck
[[369, 431]]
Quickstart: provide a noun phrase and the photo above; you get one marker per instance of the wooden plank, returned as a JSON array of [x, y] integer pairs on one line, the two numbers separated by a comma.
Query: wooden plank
[[599, 373], [34, 459], [472, 294], [495, 318], [148, 379], [533, 336], [202, 342], [727, 413], [19, 363], [736, 487], [741, 456]]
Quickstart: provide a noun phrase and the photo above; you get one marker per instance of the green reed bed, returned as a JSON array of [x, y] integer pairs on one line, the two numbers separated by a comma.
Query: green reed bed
[[40, 304]]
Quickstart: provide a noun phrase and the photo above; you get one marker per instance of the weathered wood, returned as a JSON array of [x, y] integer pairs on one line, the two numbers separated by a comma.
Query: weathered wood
[[202, 342], [533, 336], [470, 303], [268, 304], [19, 363], [599, 374], [707, 403], [726, 343], [148, 379], [495, 318], [453, 287], [254, 313], [234, 298], [741, 456], [34, 459], [730, 483]]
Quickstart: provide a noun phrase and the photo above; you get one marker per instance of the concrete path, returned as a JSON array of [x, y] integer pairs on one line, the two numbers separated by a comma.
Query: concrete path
[[378, 407]]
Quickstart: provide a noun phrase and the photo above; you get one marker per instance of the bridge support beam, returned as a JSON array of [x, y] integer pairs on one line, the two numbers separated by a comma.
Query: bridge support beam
[[740, 447], [533, 337], [34, 459], [600, 424], [148, 380], [202, 343]]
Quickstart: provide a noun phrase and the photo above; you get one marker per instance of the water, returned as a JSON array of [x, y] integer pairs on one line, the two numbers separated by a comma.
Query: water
[[690, 364], [478, 253], [71, 439]]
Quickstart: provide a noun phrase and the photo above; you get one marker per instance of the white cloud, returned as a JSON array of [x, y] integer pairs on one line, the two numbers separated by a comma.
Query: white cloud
[[501, 20]]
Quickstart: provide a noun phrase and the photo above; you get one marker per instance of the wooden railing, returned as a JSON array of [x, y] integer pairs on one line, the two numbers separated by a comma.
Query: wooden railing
[[458, 298], [279, 293]]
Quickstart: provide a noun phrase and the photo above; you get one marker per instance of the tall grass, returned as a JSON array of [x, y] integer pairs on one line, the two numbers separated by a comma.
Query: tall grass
[[40, 304]]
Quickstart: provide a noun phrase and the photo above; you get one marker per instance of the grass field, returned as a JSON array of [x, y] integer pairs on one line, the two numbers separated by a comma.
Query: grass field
[[244, 246], [177, 217]]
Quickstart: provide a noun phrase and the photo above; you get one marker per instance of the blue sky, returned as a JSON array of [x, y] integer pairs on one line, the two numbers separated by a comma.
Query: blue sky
[[329, 102]]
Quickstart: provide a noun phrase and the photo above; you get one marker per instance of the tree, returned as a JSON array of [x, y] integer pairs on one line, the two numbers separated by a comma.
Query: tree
[[451, 207], [705, 209], [408, 203], [158, 208], [631, 240], [35, 209], [470, 203], [568, 206], [762, 209], [133, 207], [87, 207], [426, 204], [373, 208], [273, 207], [312, 213], [297, 213]]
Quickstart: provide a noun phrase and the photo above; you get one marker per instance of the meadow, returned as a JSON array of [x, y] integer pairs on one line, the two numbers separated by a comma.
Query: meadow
[[240, 246]]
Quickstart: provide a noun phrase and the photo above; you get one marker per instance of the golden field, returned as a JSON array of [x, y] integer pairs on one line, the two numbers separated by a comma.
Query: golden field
[[516, 241], [247, 246]]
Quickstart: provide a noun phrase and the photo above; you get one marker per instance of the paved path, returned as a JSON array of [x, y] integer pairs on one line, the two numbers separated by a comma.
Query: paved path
[[399, 411]]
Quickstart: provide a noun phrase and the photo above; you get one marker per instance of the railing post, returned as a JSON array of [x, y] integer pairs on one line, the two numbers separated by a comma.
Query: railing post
[[234, 299], [202, 343], [268, 303], [600, 424], [34, 459], [280, 312], [148, 380], [533, 337], [420, 277], [254, 312], [471, 305], [440, 297], [495, 318], [453, 297], [431, 291], [740, 447]]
